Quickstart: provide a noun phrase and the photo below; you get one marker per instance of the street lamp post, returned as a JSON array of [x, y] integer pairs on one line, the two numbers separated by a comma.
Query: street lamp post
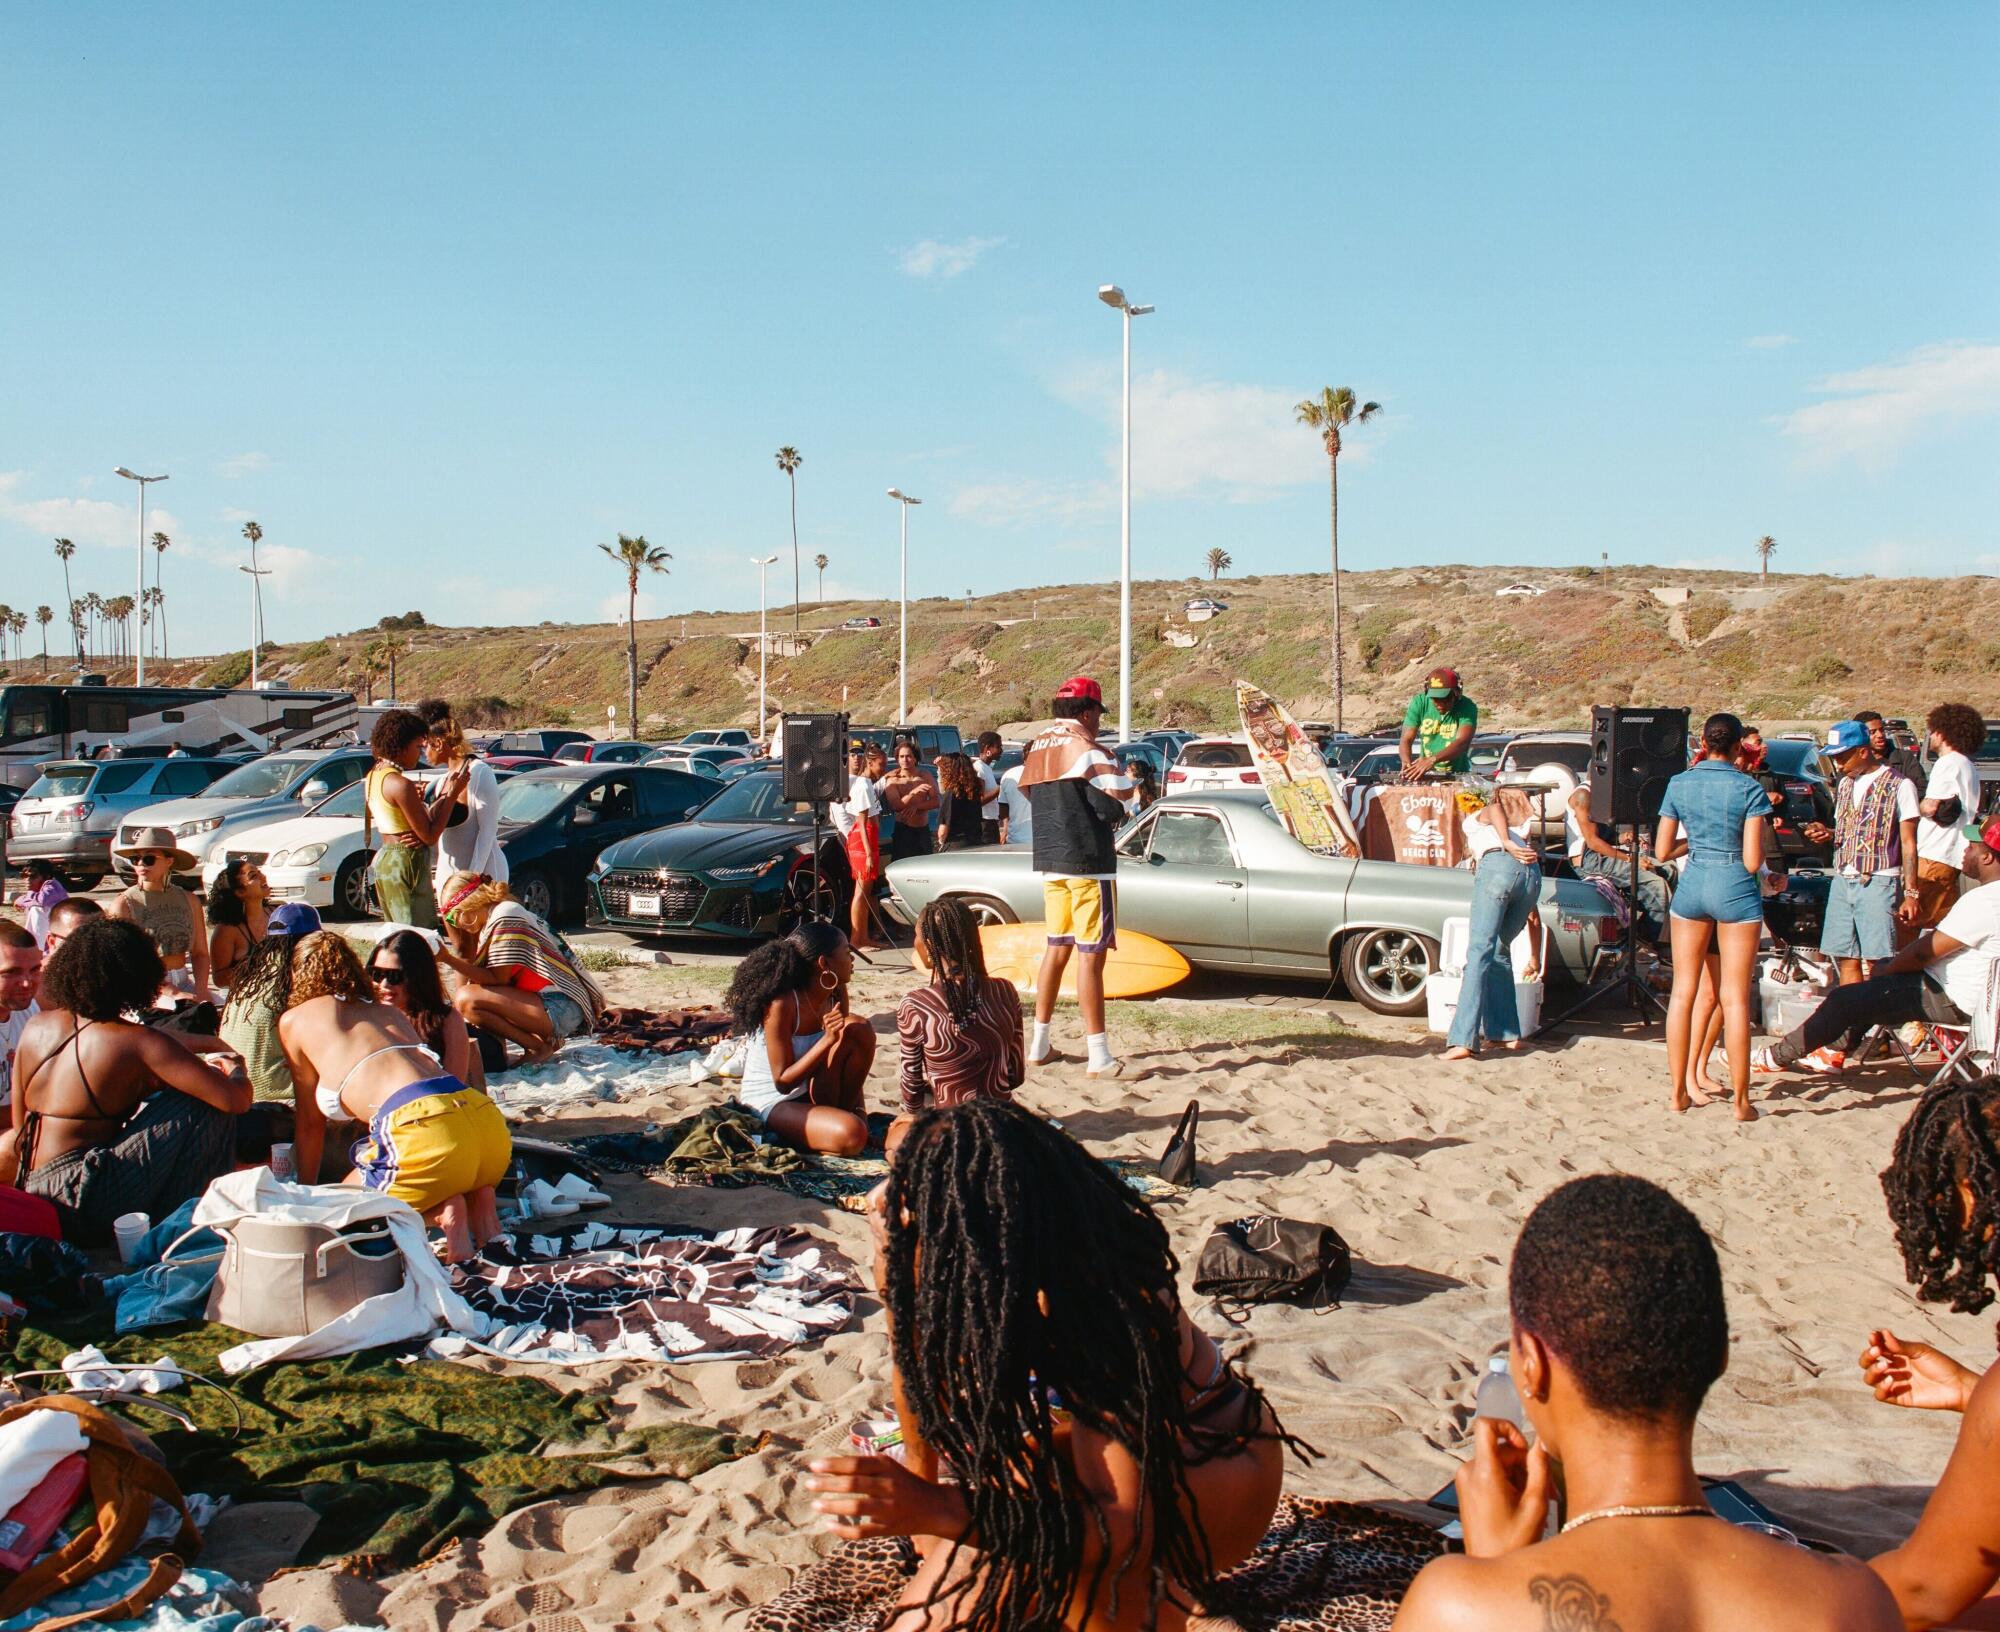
[[903, 611], [1114, 297], [761, 563], [139, 645], [257, 615]]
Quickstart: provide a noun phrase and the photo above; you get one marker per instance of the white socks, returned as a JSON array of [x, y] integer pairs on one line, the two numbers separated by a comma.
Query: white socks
[[1039, 1045], [1100, 1050]]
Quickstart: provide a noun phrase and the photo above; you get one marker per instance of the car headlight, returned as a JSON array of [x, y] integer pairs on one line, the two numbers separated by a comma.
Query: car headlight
[[277, 858], [305, 855], [187, 830], [736, 875]]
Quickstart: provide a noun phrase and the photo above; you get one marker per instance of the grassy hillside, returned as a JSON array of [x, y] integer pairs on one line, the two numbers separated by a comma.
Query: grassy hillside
[[1798, 649]]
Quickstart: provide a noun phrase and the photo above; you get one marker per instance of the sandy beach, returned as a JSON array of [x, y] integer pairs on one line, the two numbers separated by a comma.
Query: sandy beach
[[1427, 1170]]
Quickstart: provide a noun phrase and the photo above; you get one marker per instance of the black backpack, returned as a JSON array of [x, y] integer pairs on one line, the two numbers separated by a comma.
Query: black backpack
[[1273, 1260]]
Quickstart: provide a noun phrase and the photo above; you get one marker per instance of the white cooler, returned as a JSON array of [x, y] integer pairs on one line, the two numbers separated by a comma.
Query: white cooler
[[1441, 989]]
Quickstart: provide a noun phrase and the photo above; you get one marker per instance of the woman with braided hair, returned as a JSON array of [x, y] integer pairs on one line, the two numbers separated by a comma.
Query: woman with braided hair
[[1944, 1199], [961, 1034], [1108, 1464]]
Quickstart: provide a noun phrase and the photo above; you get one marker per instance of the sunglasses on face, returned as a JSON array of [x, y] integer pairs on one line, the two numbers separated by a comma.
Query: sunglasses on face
[[146, 861], [386, 975]]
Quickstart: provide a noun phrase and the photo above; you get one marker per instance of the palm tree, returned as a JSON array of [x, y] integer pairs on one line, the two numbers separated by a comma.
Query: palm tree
[[118, 612], [789, 460], [161, 544], [820, 562], [157, 605], [635, 555], [93, 608], [1765, 546], [1218, 564], [1326, 413], [6, 624], [253, 532], [64, 550], [20, 629], [45, 616]]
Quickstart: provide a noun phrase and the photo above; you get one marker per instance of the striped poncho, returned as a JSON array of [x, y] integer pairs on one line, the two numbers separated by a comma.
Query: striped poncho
[[516, 938]]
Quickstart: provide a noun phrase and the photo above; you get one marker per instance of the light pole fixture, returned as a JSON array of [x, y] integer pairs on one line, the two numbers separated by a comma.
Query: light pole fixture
[[139, 644], [1114, 297], [762, 564], [256, 616], [904, 501]]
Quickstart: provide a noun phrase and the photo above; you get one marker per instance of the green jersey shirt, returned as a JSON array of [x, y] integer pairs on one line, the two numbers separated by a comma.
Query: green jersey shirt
[[1436, 727]]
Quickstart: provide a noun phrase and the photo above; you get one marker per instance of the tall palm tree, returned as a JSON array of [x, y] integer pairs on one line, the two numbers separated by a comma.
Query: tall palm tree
[[161, 544], [64, 550], [20, 629], [820, 562], [45, 616], [1326, 413], [93, 609], [253, 532], [1218, 564], [789, 460], [635, 555], [6, 627], [1765, 546], [156, 604]]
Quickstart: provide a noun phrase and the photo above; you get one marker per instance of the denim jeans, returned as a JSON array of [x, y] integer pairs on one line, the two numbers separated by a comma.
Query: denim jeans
[[1504, 892]]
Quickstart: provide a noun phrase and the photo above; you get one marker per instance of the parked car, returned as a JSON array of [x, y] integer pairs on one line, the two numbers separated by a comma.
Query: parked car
[[1135, 752], [931, 740], [1216, 876], [728, 736], [541, 743], [1342, 754], [605, 753], [1212, 762], [266, 790], [862, 623], [1987, 763], [1801, 791], [519, 762], [740, 867], [554, 822], [717, 764], [71, 812], [1169, 740], [1203, 607], [1518, 590]]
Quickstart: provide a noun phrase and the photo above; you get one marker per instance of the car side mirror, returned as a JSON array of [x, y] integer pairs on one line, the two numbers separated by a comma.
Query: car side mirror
[[584, 816], [313, 792]]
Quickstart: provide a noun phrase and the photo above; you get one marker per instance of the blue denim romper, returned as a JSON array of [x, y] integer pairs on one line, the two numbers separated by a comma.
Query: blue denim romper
[[1712, 802]]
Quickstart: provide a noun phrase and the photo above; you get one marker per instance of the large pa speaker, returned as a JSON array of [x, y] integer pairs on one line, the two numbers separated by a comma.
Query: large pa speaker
[[1633, 753], [815, 758]]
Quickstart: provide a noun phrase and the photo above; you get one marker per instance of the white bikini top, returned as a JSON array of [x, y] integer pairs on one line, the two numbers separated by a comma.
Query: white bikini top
[[329, 1101]]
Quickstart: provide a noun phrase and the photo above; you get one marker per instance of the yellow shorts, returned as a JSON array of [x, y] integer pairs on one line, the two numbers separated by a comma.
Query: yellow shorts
[[433, 1140], [1081, 912]]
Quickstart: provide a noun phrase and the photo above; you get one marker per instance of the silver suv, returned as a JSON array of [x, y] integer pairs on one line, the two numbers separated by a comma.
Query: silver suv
[[76, 806], [266, 789]]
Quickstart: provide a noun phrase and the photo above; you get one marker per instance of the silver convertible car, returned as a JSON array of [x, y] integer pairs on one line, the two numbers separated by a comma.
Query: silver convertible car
[[1215, 876]]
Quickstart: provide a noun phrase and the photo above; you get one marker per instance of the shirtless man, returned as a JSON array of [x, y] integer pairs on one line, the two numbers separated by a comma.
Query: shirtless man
[[1618, 1332]]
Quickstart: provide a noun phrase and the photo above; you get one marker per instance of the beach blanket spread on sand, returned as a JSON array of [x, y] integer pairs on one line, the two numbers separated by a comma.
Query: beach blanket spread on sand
[[606, 1293]]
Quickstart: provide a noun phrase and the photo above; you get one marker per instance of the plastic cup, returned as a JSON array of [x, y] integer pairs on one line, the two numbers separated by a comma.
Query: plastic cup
[[128, 1229], [282, 1166]]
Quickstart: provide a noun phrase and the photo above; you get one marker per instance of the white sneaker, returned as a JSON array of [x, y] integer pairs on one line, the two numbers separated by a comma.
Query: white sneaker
[[1115, 1068], [573, 1186]]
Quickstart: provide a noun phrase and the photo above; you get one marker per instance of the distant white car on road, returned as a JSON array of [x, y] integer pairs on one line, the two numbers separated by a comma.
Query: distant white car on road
[[1213, 762]]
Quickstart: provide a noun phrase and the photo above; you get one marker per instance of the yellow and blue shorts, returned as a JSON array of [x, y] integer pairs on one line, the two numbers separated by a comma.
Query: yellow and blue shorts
[[433, 1140], [1081, 912]]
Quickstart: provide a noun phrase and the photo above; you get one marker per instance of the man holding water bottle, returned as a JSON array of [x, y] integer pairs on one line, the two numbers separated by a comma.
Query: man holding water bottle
[[1619, 1330]]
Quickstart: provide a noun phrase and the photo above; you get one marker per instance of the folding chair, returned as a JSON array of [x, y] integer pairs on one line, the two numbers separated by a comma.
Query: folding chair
[[1959, 1060]]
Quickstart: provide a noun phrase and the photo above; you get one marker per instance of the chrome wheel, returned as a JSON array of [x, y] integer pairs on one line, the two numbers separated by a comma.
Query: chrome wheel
[[350, 888], [803, 901], [987, 911], [1385, 969], [532, 890]]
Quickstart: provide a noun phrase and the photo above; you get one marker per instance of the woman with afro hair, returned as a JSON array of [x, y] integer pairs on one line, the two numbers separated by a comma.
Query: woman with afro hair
[[1944, 1198]]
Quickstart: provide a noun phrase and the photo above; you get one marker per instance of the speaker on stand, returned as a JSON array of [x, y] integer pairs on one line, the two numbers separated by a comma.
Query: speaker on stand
[[815, 773], [1634, 753]]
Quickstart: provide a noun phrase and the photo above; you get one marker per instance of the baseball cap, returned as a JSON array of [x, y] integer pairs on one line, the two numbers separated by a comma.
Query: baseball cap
[[1442, 683], [292, 918], [1845, 737], [1080, 686], [1986, 832]]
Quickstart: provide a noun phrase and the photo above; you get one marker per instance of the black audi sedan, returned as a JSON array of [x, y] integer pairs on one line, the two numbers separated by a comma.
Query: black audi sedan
[[740, 867], [553, 823]]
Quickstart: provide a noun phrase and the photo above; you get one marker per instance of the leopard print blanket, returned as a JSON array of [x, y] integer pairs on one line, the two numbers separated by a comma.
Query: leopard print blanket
[[1321, 1567]]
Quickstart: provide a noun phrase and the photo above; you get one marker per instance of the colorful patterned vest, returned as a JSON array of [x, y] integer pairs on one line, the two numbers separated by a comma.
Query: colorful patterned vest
[[1868, 839]]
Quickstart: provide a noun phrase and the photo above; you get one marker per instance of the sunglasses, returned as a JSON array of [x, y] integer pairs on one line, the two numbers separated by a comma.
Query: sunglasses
[[385, 976], [146, 860]]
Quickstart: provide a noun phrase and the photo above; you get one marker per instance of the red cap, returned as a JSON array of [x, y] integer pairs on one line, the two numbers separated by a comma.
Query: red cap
[[1443, 677], [1080, 686]]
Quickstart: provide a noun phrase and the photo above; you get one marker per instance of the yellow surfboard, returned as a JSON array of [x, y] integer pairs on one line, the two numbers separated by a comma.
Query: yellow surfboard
[[1138, 964]]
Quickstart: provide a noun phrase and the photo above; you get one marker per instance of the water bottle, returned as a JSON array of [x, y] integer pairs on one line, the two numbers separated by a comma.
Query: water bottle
[[1498, 1397]]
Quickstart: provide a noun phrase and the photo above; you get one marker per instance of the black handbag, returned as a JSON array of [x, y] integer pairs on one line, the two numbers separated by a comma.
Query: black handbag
[[1273, 1260], [1177, 1164]]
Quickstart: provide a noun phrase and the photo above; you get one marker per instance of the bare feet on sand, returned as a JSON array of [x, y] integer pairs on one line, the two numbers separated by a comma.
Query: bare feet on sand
[[1457, 1054]]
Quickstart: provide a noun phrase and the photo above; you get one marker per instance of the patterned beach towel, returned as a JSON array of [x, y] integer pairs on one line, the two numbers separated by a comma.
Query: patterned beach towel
[[605, 1293], [1321, 1567]]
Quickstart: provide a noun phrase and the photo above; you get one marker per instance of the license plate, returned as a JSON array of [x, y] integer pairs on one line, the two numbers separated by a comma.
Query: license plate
[[30, 820], [643, 906]]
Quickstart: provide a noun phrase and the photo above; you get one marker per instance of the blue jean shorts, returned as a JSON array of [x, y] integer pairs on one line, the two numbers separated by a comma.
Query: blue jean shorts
[[1861, 917], [565, 1013], [1723, 892]]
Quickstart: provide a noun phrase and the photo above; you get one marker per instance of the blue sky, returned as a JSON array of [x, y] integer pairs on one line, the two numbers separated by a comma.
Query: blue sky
[[443, 296]]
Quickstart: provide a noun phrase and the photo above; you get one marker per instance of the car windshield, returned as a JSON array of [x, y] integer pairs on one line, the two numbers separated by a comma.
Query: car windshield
[[1378, 764], [1485, 753], [753, 799], [1210, 756], [259, 779], [529, 798], [61, 782], [1344, 756], [347, 802], [1789, 757], [1990, 749]]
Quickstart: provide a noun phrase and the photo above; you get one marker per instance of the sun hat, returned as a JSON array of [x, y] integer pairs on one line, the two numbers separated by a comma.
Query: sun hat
[[1845, 737], [145, 839], [292, 918], [1080, 686], [1441, 684]]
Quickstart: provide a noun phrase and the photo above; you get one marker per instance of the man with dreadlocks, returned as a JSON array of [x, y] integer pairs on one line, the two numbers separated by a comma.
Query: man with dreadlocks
[[1943, 1188], [1108, 1464]]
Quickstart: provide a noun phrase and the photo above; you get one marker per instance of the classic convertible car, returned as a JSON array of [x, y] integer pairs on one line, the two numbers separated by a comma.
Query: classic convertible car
[[1217, 877]]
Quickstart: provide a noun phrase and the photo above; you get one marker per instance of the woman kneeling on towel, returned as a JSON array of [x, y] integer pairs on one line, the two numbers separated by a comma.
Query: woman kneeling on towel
[[1108, 1463], [433, 1142], [517, 978], [809, 1054]]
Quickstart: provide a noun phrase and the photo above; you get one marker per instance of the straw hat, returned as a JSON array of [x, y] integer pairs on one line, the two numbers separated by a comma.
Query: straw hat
[[155, 838]]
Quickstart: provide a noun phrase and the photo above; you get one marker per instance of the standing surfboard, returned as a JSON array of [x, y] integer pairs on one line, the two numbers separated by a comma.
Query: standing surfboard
[[1295, 776]]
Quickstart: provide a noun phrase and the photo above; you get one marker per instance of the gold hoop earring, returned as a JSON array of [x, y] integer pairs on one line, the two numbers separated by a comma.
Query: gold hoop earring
[[829, 981]]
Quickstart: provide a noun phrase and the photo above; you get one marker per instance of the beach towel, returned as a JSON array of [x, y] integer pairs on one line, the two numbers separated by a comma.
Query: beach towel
[[399, 1458], [1321, 1567], [605, 1293], [663, 1031], [588, 1071]]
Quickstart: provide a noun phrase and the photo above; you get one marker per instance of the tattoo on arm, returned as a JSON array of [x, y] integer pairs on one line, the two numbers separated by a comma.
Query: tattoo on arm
[[1571, 1604]]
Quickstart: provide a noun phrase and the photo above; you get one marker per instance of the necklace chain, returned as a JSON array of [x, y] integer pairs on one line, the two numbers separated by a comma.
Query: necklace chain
[[1682, 1510]]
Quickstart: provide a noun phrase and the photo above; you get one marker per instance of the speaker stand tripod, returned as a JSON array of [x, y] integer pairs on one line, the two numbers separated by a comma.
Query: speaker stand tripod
[[1622, 979]]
